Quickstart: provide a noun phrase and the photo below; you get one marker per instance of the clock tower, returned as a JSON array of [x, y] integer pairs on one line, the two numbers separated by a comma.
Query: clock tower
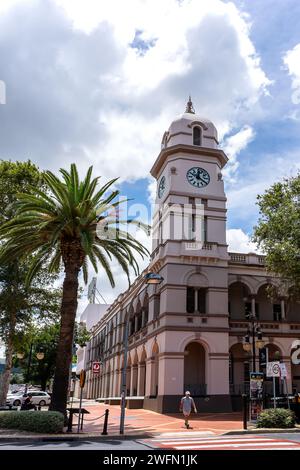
[[190, 201]]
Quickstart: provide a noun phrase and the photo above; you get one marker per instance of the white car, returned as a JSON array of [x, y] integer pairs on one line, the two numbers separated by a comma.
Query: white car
[[38, 398]]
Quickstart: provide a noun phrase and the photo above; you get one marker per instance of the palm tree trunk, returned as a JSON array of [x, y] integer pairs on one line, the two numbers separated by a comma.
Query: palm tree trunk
[[5, 377], [65, 343]]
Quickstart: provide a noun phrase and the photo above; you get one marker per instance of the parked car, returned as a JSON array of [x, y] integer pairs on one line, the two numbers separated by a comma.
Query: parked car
[[38, 398]]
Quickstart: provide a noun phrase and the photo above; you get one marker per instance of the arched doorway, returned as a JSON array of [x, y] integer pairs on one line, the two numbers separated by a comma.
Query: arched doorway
[[194, 369]]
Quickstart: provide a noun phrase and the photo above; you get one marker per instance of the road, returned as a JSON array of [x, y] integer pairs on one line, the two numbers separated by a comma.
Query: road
[[284, 441]]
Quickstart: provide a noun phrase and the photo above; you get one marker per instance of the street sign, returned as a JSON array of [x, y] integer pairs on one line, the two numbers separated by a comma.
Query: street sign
[[283, 371], [273, 369], [96, 367], [82, 378]]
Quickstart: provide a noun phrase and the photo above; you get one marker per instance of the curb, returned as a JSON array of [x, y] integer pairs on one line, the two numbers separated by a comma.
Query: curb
[[98, 437], [53, 438], [262, 431]]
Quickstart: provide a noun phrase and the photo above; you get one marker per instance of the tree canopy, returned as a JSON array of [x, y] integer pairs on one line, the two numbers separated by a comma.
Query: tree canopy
[[278, 230]]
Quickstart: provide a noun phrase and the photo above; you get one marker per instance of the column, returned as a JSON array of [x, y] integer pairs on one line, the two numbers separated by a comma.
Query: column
[[117, 383], [171, 374], [217, 378], [143, 317], [150, 363], [133, 384], [135, 323], [141, 379]]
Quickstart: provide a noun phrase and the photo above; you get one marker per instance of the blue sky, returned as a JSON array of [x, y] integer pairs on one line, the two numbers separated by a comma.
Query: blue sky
[[98, 83]]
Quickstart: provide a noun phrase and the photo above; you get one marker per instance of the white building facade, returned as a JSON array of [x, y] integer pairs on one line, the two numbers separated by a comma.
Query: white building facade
[[187, 332]]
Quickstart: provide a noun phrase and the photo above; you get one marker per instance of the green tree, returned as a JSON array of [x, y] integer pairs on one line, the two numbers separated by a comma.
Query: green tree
[[81, 336], [73, 222], [42, 339], [278, 230], [18, 303]]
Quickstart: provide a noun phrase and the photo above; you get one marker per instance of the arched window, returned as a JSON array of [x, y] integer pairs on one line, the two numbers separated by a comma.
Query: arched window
[[196, 300], [190, 300], [197, 136]]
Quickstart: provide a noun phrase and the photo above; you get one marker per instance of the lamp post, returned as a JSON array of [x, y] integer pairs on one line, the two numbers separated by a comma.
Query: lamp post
[[150, 278], [39, 355], [256, 336]]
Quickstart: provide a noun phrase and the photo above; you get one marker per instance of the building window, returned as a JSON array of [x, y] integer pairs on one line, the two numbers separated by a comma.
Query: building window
[[156, 306], [195, 300], [276, 312], [192, 228], [197, 136], [190, 300], [202, 300], [204, 229]]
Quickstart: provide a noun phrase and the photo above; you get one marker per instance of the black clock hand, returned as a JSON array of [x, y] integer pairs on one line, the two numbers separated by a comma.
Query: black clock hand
[[203, 181]]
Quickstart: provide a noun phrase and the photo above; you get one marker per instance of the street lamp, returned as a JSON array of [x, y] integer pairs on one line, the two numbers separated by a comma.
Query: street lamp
[[150, 278], [39, 355], [256, 335]]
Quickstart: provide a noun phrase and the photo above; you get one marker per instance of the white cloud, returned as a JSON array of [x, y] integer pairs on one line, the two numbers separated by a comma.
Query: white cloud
[[272, 167], [291, 60], [232, 146], [240, 241], [93, 95]]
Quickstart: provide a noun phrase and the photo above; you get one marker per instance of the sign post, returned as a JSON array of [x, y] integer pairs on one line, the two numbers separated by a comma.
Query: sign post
[[81, 383], [283, 376], [273, 370]]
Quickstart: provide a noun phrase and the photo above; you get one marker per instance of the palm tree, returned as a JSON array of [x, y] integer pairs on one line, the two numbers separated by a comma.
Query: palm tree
[[68, 224]]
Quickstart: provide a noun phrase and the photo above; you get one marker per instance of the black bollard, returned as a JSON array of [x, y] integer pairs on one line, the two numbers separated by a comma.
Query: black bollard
[[104, 432], [245, 409]]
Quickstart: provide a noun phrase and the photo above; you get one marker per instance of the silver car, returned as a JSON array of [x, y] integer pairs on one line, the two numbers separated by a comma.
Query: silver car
[[38, 398]]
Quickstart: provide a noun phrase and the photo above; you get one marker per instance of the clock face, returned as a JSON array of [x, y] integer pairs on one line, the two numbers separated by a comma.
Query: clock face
[[198, 177], [161, 186]]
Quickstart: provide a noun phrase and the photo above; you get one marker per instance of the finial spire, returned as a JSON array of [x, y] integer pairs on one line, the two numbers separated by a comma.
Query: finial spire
[[189, 106]]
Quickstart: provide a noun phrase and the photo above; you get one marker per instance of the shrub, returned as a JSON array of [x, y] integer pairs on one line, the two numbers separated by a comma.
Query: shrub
[[276, 418], [51, 422]]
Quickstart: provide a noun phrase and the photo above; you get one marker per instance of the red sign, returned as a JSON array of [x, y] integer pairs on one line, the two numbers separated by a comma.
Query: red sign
[[96, 367]]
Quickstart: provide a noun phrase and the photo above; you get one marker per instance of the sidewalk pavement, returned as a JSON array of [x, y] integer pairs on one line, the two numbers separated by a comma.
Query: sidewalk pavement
[[143, 423]]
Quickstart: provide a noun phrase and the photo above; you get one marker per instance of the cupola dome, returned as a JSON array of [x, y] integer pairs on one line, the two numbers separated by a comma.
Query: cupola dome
[[191, 129]]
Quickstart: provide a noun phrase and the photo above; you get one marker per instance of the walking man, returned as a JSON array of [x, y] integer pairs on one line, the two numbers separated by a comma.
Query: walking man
[[186, 405]]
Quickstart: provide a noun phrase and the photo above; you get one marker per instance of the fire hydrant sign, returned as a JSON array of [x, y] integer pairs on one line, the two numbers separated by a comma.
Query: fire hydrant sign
[[96, 367], [273, 369]]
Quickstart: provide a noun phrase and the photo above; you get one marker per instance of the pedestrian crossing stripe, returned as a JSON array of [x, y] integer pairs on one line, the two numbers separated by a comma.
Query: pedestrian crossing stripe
[[225, 443]]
